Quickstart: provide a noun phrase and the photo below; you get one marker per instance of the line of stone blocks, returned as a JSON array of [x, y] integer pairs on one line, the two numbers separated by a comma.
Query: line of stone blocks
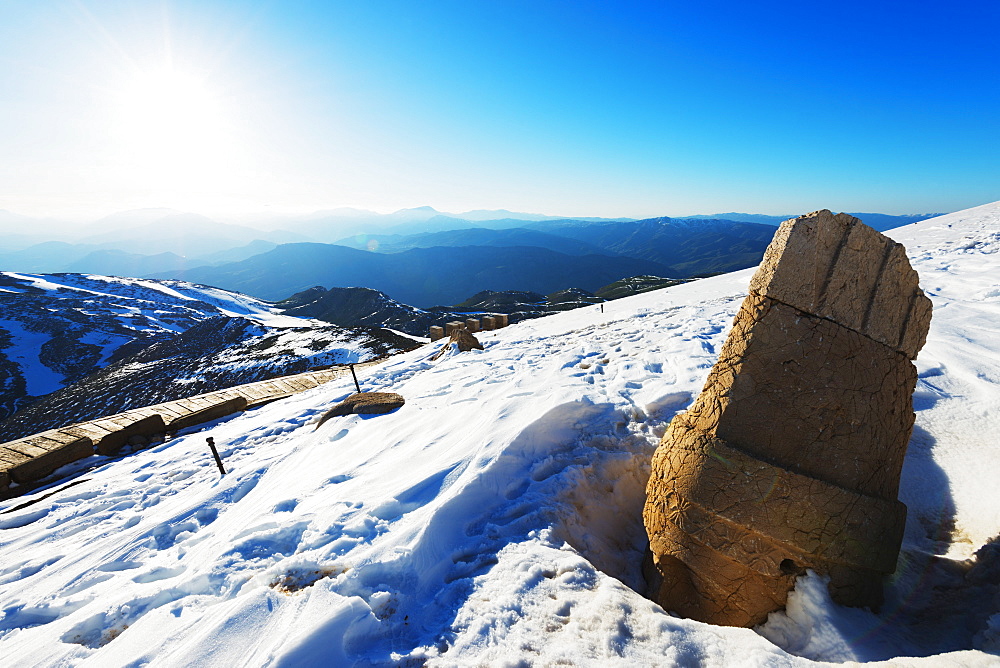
[[29, 459]]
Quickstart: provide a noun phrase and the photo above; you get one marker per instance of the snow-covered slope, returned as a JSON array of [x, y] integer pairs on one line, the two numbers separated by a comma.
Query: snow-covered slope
[[495, 518]]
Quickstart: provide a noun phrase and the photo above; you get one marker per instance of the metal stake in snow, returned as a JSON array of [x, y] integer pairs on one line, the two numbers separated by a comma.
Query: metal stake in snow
[[215, 453], [355, 378]]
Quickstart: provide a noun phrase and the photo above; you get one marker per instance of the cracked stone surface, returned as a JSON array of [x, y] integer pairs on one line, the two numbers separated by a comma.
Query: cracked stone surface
[[790, 458]]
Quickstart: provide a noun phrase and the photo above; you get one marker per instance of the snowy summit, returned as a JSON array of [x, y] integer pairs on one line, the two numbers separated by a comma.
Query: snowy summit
[[495, 519]]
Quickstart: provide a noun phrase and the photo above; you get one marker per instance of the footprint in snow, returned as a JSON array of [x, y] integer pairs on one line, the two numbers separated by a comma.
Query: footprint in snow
[[286, 506]]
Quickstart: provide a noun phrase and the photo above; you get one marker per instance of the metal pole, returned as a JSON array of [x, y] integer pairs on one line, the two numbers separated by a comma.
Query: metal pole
[[215, 453], [355, 378]]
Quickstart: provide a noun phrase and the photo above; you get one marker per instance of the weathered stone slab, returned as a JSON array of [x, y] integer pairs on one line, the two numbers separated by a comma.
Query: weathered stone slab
[[41, 461], [453, 326], [141, 426], [487, 323], [472, 324], [500, 320], [364, 403], [168, 411], [299, 383], [88, 429], [790, 458], [46, 442], [436, 333], [10, 458], [29, 450], [198, 402], [254, 391], [269, 399]]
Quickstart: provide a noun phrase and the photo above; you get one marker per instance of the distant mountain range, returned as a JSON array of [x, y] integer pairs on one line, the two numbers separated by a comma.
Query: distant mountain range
[[879, 221], [435, 268], [421, 276], [434, 252]]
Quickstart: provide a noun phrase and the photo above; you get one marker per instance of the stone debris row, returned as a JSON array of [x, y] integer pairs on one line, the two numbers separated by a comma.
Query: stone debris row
[[29, 459], [484, 323]]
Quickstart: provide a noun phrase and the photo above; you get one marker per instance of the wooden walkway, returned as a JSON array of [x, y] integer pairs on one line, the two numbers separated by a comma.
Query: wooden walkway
[[28, 459]]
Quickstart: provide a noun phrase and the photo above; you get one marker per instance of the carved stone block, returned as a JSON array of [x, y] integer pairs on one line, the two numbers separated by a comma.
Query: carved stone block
[[790, 457]]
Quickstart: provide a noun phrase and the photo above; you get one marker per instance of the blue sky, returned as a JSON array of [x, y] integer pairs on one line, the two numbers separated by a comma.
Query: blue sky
[[572, 108]]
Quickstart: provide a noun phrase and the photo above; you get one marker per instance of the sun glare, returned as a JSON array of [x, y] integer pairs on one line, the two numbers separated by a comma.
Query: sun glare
[[174, 129]]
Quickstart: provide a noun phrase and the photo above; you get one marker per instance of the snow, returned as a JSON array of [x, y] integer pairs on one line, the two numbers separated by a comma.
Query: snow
[[495, 518], [227, 303], [37, 281], [117, 310], [23, 351]]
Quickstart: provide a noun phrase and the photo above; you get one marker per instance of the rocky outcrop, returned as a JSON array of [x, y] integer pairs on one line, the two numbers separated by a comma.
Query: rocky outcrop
[[790, 457]]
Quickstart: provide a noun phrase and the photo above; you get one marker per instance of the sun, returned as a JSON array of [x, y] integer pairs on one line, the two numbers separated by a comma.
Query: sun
[[174, 127]]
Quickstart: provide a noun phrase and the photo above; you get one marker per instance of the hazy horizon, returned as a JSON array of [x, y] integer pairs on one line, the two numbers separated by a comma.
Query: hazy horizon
[[249, 217]]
